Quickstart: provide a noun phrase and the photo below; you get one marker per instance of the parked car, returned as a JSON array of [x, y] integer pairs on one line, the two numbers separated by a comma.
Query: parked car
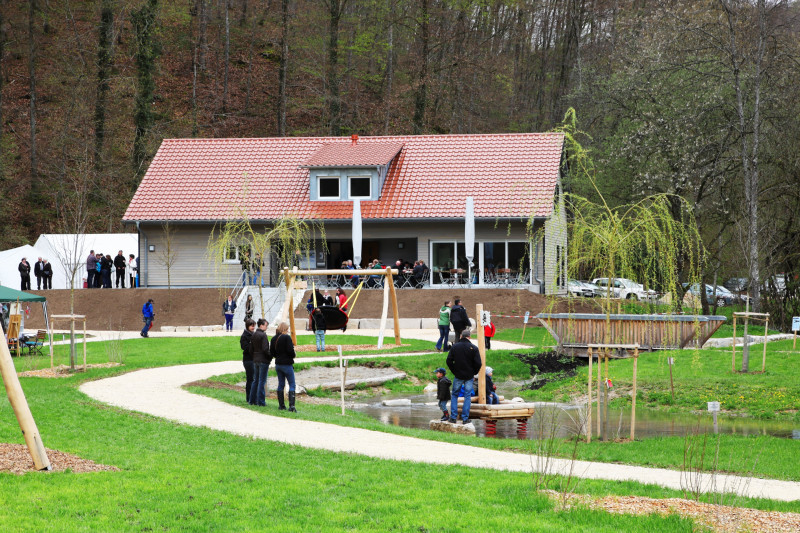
[[625, 288], [582, 289], [723, 295], [736, 284]]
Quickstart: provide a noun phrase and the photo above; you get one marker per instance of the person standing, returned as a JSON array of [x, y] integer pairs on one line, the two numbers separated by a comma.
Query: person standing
[[120, 264], [98, 271], [319, 328], [260, 348], [47, 274], [444, 327], [443, 392], [91, 269], [105, 270], [147, 314], [228, 308], [282, 349], [249, 307], [24, 275], [326, 298], [38, 266], [464, 361], [488, 333], [341, 299], [459, 318], [247, 356], [133, 267]]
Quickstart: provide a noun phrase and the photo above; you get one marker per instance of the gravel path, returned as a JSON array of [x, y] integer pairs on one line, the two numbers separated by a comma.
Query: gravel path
[[157, 391]]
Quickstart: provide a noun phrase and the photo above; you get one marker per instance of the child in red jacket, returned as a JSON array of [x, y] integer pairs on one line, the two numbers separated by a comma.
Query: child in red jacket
[[488, 333]]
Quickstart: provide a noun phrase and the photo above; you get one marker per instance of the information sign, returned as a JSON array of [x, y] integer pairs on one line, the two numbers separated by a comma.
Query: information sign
[[713, 407], [486, 318], [796, 323], [528, 315]]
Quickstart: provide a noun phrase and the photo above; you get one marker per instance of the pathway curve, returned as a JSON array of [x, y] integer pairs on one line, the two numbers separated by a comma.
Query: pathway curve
[[158, 392]]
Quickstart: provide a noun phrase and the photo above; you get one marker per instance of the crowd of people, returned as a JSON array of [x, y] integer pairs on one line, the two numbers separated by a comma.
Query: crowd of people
[[99, 268]]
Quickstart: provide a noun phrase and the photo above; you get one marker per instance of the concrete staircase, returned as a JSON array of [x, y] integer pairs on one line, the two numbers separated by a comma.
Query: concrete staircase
[[273, 302]]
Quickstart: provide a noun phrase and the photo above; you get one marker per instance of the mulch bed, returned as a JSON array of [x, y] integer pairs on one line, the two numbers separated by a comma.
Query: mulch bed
[[716, 517], [15, 458], [332, 348], [61, 371]]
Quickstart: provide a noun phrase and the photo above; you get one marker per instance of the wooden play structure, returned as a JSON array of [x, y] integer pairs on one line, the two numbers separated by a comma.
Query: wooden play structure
[[575, 332], [603, 352], [71, 319], [389, 294], [747, 316], [491, 413], [19, 404]]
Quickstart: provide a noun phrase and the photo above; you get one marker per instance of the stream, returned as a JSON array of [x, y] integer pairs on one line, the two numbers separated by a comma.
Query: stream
[[563, 419]]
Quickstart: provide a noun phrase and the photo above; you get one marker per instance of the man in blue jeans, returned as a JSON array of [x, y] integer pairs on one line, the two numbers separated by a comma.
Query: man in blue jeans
[[147, 314], [464, 361]]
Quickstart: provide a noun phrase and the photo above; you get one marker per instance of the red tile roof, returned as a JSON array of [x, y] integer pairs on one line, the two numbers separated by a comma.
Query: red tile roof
[[509, 175], [363, 154]]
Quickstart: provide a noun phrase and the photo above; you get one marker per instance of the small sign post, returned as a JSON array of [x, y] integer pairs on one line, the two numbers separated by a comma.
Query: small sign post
[[342, 372], [525, 324], [795, 328], [713, 408]]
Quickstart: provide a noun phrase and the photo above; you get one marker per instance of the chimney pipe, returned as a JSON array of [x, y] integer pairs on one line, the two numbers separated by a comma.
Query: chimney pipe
[[354, 138]]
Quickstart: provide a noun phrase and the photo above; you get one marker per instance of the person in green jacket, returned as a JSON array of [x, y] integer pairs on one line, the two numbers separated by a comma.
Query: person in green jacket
[[444, 327]]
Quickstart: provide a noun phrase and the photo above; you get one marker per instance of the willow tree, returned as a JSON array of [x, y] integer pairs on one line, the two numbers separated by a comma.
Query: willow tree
[[654, 241], [280, 240]]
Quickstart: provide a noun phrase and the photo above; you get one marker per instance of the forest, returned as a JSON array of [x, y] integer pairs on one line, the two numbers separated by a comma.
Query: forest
[[694, 98]]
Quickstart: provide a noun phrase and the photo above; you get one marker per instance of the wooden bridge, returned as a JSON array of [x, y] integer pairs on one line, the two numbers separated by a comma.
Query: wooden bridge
[[574, 332]]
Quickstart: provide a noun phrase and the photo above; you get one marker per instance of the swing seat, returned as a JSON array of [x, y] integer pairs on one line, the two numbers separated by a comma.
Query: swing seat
[[335, 318]]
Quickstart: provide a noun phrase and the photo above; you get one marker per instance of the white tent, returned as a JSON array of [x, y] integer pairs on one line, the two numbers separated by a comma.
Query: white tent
[[9, 265], [63, 249]]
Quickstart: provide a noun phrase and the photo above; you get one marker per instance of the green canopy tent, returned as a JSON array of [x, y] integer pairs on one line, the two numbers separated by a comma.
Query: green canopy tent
[[8, 295]]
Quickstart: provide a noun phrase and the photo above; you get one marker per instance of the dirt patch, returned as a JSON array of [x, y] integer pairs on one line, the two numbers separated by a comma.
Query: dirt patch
[[549, 366], [121, 309], [15, 458], [717, 517], [211, 384], [425, 303], [62, 371]]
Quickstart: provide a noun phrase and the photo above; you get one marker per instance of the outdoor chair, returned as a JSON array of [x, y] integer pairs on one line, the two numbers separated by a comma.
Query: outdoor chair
[[36, 344]]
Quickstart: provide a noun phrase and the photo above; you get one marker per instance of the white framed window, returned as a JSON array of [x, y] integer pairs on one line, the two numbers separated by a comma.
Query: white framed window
[[234, 254], [359, 187], [328, 188]]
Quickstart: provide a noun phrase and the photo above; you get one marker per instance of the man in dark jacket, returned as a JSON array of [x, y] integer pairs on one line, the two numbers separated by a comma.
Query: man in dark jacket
[[24, 275], [443, 392], [38, 268], [459, 318], [120, 264], [147, 314], [464, 361], [259, 346], [91, 269], [47, 275], [247, 355]]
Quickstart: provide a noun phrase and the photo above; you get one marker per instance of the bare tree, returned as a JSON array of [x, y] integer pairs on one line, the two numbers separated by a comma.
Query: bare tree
[[168, 256], [32, 87], [284, 66]]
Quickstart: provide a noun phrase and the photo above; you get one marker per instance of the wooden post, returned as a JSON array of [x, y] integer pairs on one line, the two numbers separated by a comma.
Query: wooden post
[[764, 358], [393, 295], [343, 373], [51, 344], [589, 403], [84, 343], [289, 279], [16, 398], [384, 313], [733, 347], [671, 384], [525, 324], [633, 401], [794, 342], [482, 350], [599, 397], [605, 399]]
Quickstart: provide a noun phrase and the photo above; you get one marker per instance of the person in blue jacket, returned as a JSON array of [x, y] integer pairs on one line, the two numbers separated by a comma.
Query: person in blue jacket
[[148, 314]]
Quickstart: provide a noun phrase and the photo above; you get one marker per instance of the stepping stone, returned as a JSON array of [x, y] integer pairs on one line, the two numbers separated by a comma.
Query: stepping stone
[[401, 402], [464, 429]]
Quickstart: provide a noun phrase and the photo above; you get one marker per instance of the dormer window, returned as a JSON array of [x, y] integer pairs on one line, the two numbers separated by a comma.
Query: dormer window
[[328, 187], [360, 187]]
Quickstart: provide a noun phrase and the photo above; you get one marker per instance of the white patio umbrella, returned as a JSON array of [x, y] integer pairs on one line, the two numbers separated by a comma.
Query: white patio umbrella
[[356, 233], [469, 235]]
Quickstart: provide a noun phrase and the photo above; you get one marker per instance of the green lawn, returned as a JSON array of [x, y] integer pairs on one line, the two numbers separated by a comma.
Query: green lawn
[[176, 477]]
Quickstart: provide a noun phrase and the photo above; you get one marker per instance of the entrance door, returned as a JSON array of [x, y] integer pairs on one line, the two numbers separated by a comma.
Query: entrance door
[[369, 250]]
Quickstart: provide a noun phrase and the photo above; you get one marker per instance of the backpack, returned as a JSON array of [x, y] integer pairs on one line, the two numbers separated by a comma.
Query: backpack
[[458, 315]]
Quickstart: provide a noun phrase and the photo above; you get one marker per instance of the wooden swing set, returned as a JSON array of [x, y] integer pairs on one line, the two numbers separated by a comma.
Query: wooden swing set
[[389, 295]]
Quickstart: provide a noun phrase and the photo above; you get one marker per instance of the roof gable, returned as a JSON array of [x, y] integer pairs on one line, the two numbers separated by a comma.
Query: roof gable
[[509, 176]]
